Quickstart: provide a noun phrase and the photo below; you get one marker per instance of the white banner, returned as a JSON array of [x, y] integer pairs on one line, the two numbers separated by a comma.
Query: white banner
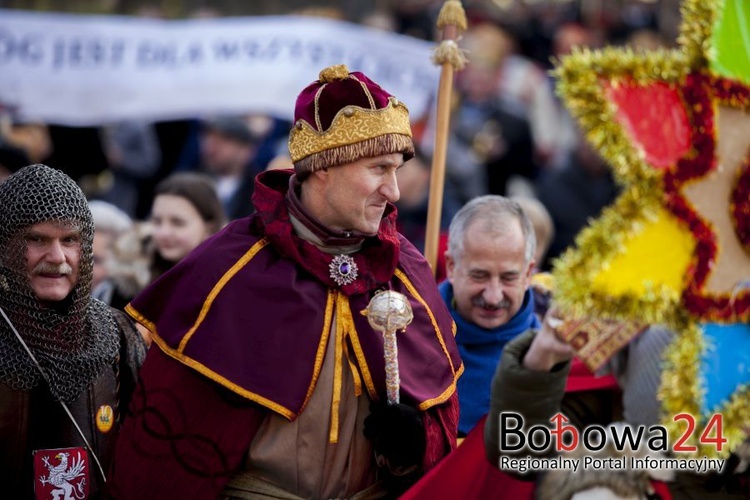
[[89, 70]]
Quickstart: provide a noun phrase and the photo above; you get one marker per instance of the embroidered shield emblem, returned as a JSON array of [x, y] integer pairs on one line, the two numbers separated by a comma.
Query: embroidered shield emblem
[[61, 473]]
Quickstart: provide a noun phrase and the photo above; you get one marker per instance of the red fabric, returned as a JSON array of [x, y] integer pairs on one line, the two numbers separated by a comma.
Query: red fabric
[[280, 300], [654, 117], [281, 297], [441, 274], [467, 474], [740, 205], [662, 490], [183, 438], [581, 378], [440, 428], [187, 436], [335, 96]]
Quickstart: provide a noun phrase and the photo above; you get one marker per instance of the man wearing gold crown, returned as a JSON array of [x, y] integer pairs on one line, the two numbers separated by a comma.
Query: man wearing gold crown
[[267, 381]]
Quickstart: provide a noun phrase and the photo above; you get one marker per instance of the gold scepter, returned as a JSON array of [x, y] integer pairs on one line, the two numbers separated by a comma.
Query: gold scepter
[[451, 23], [389, 312]]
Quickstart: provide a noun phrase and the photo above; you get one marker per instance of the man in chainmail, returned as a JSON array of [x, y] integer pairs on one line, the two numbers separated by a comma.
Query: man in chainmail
[[86, 355]]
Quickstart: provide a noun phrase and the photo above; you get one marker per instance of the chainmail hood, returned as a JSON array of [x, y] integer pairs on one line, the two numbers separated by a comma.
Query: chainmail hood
[[78, 338]]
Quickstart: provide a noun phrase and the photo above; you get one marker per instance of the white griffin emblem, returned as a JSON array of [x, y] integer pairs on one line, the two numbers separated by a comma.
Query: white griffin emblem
[[60, 476]]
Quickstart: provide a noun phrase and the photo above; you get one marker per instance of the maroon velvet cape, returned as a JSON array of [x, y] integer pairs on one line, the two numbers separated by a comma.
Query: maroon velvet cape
[[241, 326]]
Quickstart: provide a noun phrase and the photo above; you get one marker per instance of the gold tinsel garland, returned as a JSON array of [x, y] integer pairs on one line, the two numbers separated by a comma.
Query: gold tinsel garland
[[581, 84], [698, 21]]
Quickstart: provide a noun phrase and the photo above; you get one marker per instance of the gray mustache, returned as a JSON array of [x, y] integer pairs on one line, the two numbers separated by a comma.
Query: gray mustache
[[480, 302], [47, 268]]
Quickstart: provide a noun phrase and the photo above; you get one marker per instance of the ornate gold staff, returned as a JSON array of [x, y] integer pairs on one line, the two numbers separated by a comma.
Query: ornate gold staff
[[451, 22], [389, 312]]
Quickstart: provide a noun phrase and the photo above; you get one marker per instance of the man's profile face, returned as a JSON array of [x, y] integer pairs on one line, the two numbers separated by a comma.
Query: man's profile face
[[356, 194], [53, 254], [492, 275]]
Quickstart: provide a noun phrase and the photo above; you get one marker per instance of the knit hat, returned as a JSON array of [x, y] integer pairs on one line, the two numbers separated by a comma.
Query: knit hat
[[344, 117]]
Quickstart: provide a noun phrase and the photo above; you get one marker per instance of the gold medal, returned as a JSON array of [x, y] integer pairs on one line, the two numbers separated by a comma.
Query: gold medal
[[105, 418]]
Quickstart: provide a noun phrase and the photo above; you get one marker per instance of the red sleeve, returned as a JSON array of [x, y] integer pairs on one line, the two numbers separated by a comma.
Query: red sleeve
[[441, 428], [184, 436], [440, 272]]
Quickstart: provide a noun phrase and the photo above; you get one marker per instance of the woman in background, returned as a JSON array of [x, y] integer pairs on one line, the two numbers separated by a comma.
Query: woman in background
[[186, 210]]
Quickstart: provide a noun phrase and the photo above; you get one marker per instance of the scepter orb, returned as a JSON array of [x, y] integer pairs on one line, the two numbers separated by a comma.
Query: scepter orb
[[389, 312]]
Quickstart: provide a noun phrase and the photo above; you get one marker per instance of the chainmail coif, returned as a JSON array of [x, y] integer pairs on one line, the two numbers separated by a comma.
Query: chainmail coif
[[78, 338]]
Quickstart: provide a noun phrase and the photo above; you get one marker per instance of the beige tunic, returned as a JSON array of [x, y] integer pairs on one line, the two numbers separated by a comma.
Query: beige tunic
[[298, 455]]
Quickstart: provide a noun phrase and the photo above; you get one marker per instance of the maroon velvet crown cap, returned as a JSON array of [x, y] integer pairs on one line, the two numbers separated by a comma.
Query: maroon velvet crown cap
[[338, 93], [343, 117]]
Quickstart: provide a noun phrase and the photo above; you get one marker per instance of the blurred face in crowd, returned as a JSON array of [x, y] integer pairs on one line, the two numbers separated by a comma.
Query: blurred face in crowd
[[224, 155], [354, 196], [487, 46], [479, 82], [53, 254], [413, 183], [102, 248], [491, 276], [178, 226], [4, 173]]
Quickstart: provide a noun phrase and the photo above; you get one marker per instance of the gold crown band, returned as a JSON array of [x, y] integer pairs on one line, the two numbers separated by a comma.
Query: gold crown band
[[351, 125]]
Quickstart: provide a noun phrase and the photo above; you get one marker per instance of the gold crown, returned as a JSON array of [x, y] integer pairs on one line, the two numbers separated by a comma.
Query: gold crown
[[352, 124]]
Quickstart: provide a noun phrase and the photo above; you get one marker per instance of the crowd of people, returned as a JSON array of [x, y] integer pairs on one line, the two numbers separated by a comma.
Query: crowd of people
[[509, 133], [189, 321]]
